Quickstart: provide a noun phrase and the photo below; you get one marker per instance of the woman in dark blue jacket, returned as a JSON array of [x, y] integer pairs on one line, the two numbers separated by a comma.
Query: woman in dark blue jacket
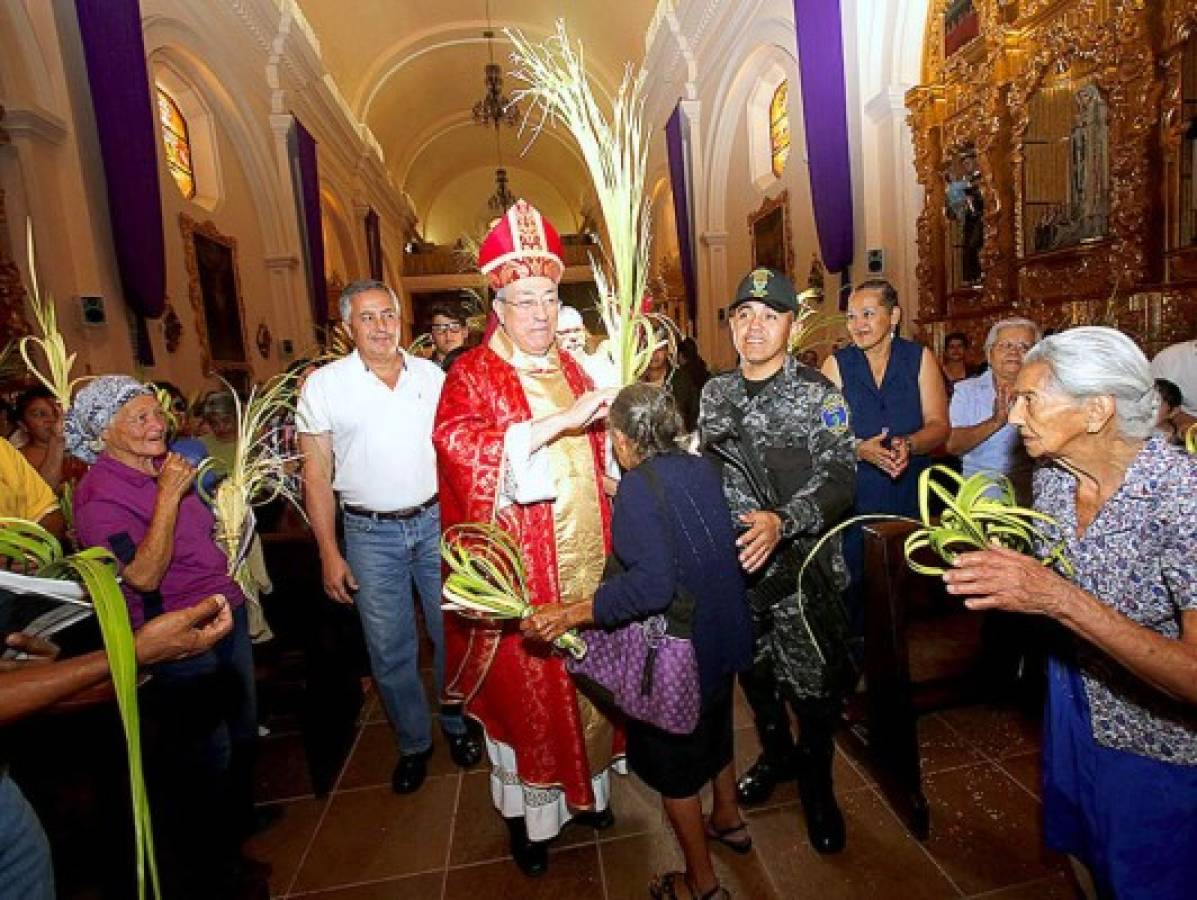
[[676, 533]]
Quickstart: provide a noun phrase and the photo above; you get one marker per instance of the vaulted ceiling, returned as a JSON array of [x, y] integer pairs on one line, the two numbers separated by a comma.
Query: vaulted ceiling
[[412, 70]]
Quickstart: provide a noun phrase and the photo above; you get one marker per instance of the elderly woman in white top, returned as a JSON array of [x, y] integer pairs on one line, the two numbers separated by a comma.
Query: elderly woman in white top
[[1120, 738]]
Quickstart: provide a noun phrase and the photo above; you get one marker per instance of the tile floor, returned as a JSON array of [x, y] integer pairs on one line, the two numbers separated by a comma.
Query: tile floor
[[365, 843]]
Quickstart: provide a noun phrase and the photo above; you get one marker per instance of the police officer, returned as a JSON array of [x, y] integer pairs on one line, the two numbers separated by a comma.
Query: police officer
[[780, 432]]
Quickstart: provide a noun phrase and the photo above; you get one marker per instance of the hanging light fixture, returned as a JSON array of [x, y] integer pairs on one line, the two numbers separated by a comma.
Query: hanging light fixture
[[502, 199], [494, 108]]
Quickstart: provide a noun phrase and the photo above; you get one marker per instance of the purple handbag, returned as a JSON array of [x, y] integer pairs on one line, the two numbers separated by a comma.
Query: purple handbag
[[646, 668]]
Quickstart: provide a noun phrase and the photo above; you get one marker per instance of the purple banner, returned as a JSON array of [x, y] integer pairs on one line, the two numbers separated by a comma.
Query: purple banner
[[374, 244], [306, 178], [679, 178], [825, 113], [126, 126]]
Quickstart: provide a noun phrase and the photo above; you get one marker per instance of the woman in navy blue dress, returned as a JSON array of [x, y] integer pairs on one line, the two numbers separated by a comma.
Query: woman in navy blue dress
[[899, 408], [671, 527]]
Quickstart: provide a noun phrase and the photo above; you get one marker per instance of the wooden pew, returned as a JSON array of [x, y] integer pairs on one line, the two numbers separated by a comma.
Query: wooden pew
[[922, 652]]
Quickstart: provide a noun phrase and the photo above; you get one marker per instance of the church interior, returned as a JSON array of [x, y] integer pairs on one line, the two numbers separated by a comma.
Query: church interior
[[201, 180]]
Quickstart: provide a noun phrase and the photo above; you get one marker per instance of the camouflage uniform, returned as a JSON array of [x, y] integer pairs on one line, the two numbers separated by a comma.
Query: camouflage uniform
[[799, 427]]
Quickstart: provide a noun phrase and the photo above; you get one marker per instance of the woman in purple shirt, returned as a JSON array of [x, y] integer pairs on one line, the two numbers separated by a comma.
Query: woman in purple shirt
[[137, 501]]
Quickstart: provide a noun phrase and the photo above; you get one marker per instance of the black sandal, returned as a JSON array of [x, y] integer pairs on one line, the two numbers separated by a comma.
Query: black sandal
[[664, 887], [721, 835]]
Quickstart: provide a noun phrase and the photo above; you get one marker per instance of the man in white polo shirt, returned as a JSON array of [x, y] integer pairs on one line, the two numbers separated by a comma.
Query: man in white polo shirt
[[365, 424]]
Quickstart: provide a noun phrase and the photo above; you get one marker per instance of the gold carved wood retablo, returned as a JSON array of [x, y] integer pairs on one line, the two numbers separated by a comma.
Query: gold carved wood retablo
[[1078, 123]]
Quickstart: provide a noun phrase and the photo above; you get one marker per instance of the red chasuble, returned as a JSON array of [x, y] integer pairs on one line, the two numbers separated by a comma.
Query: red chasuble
[[519, 690]]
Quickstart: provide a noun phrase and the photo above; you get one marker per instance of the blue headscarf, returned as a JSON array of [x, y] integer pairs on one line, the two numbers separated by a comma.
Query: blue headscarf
[[92, 410]]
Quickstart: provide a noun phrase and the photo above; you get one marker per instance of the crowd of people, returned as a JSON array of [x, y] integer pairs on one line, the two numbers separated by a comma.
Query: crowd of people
[[724, 487]]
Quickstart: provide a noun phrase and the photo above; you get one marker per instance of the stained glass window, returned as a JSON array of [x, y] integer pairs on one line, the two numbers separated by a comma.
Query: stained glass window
[[177, 144], [779, 128]]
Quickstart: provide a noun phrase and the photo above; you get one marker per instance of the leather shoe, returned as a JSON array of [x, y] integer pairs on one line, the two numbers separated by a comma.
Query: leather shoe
[[757, 784], [465, 749], [824, 821], [409, 772], [532, 857], [599, 821]]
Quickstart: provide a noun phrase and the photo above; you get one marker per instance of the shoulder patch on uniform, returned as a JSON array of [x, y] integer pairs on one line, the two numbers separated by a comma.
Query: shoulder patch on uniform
[[834, 413]]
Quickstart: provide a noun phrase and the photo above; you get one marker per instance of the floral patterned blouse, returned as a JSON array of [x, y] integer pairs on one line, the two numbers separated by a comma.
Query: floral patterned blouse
[[1139, 557]]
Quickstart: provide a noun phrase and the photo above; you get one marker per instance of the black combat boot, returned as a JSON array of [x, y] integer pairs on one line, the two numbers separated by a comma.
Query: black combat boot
[[775, 764], [816, 752]]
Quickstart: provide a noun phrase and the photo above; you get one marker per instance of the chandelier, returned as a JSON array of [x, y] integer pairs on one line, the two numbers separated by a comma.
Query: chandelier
[[502, 199], [494, 108]]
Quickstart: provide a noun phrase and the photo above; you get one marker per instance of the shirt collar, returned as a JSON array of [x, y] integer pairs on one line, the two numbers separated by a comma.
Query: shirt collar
[[125, 473]]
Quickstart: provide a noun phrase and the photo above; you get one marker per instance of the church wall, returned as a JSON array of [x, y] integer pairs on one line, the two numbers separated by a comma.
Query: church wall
[[711, 55], [51, 169]]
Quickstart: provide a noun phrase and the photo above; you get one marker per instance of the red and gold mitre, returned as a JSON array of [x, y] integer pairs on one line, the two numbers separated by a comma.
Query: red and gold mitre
[[522, 244]]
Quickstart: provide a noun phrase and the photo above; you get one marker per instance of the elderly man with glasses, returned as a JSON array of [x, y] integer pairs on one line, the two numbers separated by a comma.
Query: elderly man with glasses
[[520, 442], [981, 436]]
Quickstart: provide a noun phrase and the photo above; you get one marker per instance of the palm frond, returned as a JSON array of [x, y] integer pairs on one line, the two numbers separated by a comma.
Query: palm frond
[[487, 579], [615, 150], [57, 374], [29, 544]]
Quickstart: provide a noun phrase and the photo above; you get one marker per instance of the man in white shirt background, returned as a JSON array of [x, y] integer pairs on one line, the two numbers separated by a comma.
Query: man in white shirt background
[[365, 424]]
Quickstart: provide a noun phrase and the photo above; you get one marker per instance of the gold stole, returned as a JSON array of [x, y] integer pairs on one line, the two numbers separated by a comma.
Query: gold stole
[[577, 519]]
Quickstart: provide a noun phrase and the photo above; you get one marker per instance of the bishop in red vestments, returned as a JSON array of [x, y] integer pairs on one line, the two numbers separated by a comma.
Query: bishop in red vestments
[[520, 441]]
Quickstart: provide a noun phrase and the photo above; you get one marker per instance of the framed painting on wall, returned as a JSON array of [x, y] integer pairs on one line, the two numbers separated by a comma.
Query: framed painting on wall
[[772, 241], [215, 289]]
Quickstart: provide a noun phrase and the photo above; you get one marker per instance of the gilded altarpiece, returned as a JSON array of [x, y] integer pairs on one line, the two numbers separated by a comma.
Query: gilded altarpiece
[[1042, 144]]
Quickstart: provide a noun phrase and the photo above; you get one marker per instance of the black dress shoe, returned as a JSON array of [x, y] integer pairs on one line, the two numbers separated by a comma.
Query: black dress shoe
[[465, 749], [599, 821], [532, 857], [824, 821], [757, 784], [409, 772]]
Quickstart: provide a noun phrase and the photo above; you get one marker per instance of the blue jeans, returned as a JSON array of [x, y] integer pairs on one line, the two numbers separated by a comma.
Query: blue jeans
[[25, 869], [386, 556]]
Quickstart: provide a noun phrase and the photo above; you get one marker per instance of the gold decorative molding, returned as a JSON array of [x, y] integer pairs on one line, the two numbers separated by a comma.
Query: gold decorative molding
[[981, 97]]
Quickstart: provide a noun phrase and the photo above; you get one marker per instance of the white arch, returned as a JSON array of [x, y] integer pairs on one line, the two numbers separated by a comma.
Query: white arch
[[766, 43], [392, 61], [198, 60]]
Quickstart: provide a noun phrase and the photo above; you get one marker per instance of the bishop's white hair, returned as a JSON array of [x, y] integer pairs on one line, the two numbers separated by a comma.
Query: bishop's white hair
[[1093, 361]]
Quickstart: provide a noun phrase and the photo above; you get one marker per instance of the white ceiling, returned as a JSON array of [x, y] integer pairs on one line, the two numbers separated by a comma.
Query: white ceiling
[[413, 69]]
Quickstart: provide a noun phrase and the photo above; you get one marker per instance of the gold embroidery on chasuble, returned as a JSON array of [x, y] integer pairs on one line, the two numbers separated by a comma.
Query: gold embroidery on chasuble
[[577, 518]]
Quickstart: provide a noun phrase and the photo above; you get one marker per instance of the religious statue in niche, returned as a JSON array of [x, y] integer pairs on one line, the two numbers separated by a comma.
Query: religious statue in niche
[[1090, 181], [966, 208], [1086, 215]]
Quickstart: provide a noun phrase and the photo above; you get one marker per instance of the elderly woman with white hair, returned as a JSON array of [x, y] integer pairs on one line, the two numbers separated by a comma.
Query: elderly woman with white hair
[[137, 501], [1120, 738]]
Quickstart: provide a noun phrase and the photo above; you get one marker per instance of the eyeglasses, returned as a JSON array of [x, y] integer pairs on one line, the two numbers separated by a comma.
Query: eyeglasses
[[387, 315], [1020, 346], [545, 303], [452, 328]]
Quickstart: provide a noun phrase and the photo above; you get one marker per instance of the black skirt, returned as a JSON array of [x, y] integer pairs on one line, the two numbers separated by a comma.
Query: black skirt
[[677, 766]]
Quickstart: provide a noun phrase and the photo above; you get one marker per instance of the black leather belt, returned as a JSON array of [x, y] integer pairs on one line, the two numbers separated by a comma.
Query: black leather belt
[[409, 513]]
